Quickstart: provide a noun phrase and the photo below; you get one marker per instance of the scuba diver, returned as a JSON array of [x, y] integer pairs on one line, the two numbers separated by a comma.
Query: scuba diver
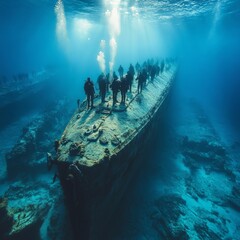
[[124, 87], [145, 76], [89, 91], [102, 83], [115, 75], [108, 81], [137, 67], [120, 71], [162, 66], [131, 70], [115, 86], [153, 72], [129, 78], [141, 80]]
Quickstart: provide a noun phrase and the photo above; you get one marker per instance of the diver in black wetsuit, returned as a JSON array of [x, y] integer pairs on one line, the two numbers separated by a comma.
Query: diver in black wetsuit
[[102, 83], [108, 81], [124, 88], [137, 67], [162, 66], [120, 71], [153, 72], [89, 90], [131, 70], [140, 79], [115, 86], [129, 78]]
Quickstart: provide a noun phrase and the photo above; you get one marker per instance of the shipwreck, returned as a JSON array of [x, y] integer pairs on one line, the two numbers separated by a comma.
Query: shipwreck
[[100, 149]]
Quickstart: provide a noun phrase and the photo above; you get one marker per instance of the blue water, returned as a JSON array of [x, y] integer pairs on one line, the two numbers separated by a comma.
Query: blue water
[[64, 38]]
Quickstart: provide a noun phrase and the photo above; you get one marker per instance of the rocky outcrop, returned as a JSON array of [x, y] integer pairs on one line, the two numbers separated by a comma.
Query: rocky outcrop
[[233, 200], [29, 221], [37, 138], [25, 206], [167, 217], [204, 232], [23, 210], [22, 151], [6, 219], [210, 155], [20, 222]]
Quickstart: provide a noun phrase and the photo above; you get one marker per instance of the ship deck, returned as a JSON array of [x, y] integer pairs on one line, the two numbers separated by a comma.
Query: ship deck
[[104, 130]]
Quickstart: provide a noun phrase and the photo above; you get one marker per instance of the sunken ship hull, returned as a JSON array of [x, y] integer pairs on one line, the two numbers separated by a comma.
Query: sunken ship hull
[[94, 192], [19, 97]]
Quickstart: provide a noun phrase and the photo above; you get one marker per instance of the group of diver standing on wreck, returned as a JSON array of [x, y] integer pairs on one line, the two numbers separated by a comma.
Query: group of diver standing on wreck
[[148, 71]]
